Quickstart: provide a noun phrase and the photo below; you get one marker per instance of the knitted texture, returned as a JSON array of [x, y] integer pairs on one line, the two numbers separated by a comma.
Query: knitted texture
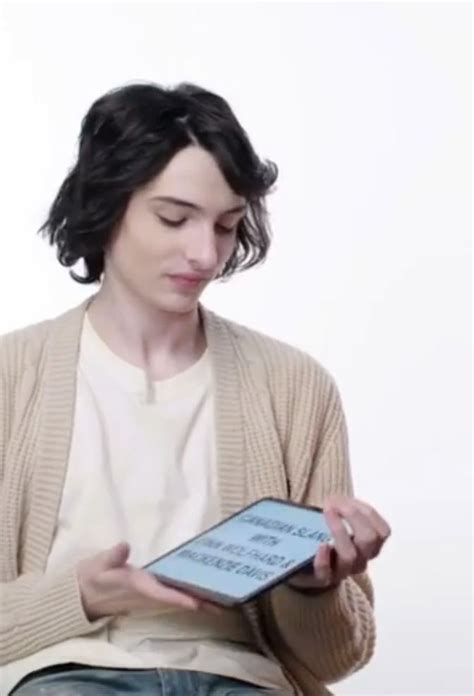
[[280, 432]]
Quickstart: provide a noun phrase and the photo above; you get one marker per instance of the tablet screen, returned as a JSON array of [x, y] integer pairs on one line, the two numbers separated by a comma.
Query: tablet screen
[[246, 553]]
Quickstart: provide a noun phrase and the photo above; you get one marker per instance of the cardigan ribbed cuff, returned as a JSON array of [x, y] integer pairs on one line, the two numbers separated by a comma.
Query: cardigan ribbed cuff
[[332, 633], [53, 612]]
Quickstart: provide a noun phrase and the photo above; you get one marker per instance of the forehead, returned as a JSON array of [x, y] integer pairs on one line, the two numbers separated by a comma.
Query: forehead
[[194, 175]]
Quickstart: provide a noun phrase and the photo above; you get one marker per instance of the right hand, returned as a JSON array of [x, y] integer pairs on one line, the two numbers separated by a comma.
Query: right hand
[[110, 586]]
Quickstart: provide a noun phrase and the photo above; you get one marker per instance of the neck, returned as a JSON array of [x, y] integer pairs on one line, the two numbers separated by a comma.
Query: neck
[[161, 342]]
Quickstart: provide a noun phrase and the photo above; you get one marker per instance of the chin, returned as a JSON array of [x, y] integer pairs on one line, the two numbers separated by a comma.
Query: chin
[[176, 304]]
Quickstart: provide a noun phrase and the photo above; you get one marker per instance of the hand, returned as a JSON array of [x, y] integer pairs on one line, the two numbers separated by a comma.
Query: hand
[[110, 586], [346, 556]]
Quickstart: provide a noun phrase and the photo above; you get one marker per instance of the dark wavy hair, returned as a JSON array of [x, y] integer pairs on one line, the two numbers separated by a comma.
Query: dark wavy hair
[[127, 137]]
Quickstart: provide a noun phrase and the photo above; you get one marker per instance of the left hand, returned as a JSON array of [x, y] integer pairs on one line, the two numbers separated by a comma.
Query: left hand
[[348, 556]]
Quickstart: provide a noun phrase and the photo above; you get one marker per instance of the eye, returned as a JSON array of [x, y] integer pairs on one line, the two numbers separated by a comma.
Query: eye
[[171, 223], [222, 229]]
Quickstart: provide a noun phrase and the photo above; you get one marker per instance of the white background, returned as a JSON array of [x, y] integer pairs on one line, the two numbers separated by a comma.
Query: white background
[[366, 110]]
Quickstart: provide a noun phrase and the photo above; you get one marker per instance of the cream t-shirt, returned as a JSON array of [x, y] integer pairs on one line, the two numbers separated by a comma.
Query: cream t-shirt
[[144, 473]]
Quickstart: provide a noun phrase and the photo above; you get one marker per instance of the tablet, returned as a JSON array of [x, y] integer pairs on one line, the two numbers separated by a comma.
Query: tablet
[[245, 554]]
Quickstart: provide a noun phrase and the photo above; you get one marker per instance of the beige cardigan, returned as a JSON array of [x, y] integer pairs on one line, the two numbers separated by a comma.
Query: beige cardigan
[[280, 432]]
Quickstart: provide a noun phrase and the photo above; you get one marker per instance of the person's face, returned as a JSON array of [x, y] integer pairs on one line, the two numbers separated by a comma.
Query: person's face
[[177, 233]]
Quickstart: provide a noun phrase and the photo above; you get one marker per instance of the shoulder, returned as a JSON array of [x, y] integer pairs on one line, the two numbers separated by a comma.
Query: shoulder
[[284, 364], [305, 401], [24, 346]]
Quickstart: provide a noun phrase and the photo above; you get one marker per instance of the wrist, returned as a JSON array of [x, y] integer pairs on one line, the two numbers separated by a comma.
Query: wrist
[[91, 612], [312, 590]]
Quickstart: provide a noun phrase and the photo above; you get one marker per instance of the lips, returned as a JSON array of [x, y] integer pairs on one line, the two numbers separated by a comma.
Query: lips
[[188, 281], [189, 277]]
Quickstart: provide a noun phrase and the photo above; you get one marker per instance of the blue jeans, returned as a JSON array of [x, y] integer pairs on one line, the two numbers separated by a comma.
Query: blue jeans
[[78, 680]]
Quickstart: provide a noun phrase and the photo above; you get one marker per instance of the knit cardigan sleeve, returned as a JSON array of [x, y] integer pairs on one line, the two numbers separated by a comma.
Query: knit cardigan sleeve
[[36, 609], [331, 635]]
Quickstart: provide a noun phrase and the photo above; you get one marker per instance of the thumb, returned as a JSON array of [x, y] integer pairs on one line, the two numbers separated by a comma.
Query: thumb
[[116, 556]]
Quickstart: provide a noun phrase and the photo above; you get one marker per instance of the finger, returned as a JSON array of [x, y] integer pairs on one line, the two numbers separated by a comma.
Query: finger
[[116, 556], [323, 572], [342, 505], [347, 556], [317, 574], [376, 520], [366, 539], [170, 595], [146, 584]]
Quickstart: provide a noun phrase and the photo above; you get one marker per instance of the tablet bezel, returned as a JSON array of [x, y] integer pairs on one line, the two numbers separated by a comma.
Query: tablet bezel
[[221, 598]]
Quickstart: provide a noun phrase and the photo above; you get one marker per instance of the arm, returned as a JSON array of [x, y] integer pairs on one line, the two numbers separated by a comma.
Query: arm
[[38, 610], [331, 634]]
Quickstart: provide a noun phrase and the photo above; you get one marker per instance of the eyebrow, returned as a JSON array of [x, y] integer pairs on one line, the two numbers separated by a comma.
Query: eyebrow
[[193, 206]]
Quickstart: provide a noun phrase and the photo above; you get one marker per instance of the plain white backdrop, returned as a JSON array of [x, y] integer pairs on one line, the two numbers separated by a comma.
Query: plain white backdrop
[[366, 108]]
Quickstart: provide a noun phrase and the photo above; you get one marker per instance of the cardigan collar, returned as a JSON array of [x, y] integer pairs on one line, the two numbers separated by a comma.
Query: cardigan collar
[[58, 396], [246, 470]]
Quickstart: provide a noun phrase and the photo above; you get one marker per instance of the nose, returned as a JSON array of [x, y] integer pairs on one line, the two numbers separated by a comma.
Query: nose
[[201, 249]]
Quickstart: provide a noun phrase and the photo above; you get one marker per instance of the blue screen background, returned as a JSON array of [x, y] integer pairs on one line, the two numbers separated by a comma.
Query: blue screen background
[[247, 555]]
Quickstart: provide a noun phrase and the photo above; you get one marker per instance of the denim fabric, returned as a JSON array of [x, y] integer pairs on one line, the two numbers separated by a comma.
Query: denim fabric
[[77, 680]]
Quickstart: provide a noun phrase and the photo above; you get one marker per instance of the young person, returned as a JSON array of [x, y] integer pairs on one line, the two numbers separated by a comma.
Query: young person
[[140, 418]]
